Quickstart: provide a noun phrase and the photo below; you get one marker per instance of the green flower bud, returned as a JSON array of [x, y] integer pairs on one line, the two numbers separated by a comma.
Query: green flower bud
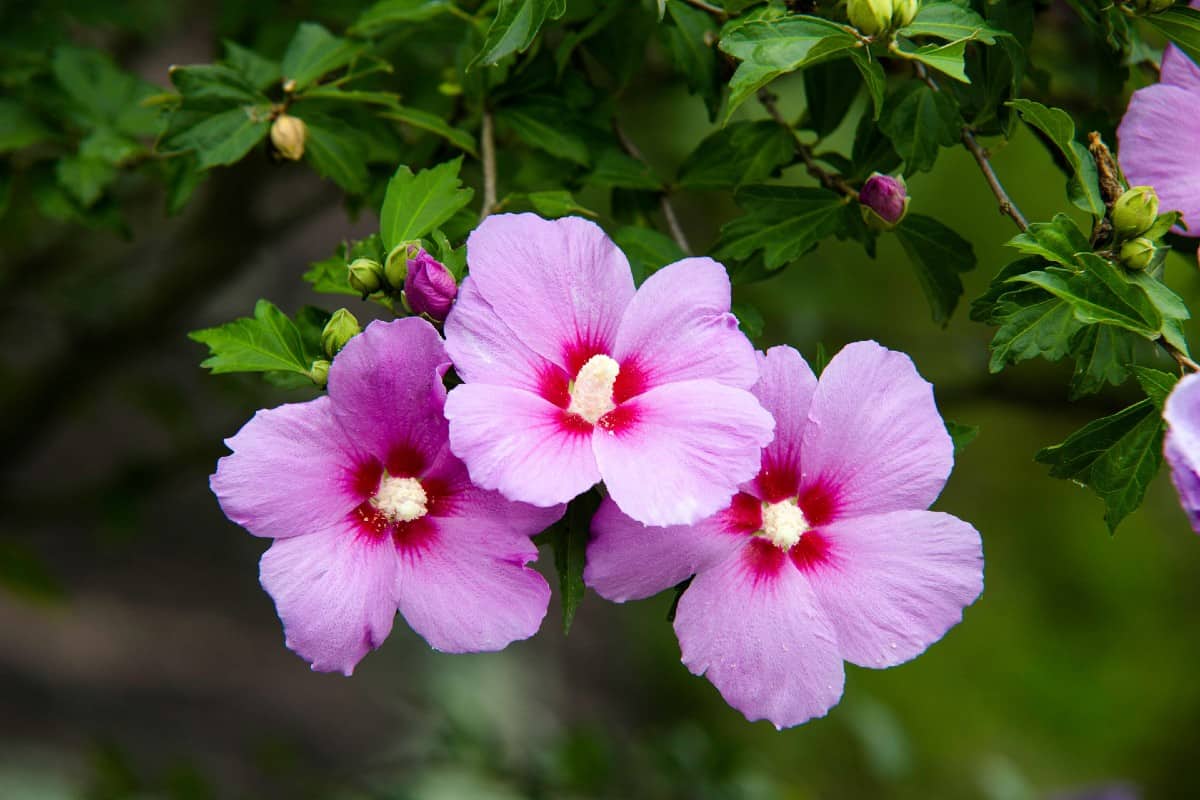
[[1134, 212], [319, 372], [1137, 253], [396, 269], [289, 134], [905, 12], [366, 275], [342, 326], [870, 16]]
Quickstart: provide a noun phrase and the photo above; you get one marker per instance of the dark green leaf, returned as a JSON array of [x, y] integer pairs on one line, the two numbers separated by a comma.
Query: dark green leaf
[[982, 307], [739, 153], [85, 178], [1083, 185], [100, 92], [329, 276], [1172, 308], [1182, 26], [647, 249], [782, 221], [827, 94], [1032, 323], [938, 254], [749, 318], [313, 52], [919, 121], [215, 87], [1156, 384], [552, 203], [872, 151], [336, 152], [516, 25], [952, 22], [546, 126], [266, 342], [1099, 294], [962, 435], [19, 126], [416, 204], [389, 13], [1103, 354], [259, 72], [945, 58], [569, 538], [1058, 241], [873, 77], [614, 169], [435, 124], [690, 43], [225, 137]]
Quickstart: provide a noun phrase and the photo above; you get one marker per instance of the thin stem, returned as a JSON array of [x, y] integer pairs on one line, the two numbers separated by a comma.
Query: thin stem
[[830, 180], [1007, 206], [719, 13], [488, 146], [1181, 358], [664, 201]]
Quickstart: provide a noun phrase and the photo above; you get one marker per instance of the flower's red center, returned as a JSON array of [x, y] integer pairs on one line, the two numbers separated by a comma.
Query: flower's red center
[[397, 501], [783, 527], [593, 388]]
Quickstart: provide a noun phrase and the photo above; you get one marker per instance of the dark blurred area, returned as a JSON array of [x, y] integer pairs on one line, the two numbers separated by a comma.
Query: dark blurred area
[[140, 659]]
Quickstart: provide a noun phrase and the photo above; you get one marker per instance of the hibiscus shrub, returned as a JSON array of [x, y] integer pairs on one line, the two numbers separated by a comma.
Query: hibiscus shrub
[[574, 371]]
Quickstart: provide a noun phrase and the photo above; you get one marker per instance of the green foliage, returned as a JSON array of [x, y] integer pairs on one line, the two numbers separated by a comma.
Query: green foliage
[[784, 222], [920, 121], [568, 539], [516, 25], [267, 342], [1182, 26], [738, 154], [414, 205], [938, 255], [1056, 125]]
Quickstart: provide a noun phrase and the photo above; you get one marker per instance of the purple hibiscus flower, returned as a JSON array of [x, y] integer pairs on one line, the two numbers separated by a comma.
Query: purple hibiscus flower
[[370, 512], [572, 377], [1182, 444], [829, 554], [1160, 140]]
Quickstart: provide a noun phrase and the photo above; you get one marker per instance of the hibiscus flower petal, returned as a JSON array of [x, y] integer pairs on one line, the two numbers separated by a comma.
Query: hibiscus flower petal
[[762, 639], [334, 591], [466, 589], [627, 560], [874, 438], [1160, 147], [785, 389], [1182, 448], [519, 444], [678, 327], [560, 285], [680, 450], [893, 584], [387, 391], [288, 474]]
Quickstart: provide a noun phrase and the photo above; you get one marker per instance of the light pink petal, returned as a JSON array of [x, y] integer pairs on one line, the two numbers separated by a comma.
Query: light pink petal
[[874, 438], [762, 639], [679, 328], [1182, 447], [560, 285], [681, 450], [466, 589], [333, 590], [387, 391], [627, 560], [785, 388], [1179, 70], [518, 444], [289, 473], [470, 504], [485, 350], [1160, 147], [894, 583]]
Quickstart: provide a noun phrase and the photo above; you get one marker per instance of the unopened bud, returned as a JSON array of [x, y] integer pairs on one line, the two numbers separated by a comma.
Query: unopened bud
[[905, 12], [429, 287], [884, 201], [1137, 253], [319, 372], [1134, 212], [341, 328], [396, 269], [289, 134], [870, 16], [366, 275]]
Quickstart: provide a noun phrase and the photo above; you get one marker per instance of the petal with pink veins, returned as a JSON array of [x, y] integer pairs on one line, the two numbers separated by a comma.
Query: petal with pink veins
[[785, 389], [1160, 147]]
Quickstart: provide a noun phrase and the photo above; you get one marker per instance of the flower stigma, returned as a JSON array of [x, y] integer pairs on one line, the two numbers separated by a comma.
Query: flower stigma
[[400, 499], [783, 523], [592, 389]]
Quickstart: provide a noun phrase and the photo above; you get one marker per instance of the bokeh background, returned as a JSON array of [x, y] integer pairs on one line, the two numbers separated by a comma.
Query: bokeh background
[[140, 659]]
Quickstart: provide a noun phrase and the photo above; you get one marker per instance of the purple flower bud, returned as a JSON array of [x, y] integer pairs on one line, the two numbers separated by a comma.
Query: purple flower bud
[[429, 287], [886, 196]]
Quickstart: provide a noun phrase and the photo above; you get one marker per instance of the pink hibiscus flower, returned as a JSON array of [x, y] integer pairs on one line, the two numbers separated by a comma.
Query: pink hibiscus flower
[[370, 512], [1160, 139], [572, 377], [827, 555]]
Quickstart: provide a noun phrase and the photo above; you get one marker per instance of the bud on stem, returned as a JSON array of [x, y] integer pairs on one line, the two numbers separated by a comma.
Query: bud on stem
[[429, 288], [289, 134], [884, 201], [366, 275], [342, 327], [1136, 254], [1134, 212]]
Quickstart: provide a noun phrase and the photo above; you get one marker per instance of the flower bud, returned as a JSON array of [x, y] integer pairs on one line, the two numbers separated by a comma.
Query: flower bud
[[366, 275], [870, 16], [319, 372], [906, 11], [1137, 253], [1134, 212], [342, 326], [289, 134], [396, 268], [884, 201], [429, 287]]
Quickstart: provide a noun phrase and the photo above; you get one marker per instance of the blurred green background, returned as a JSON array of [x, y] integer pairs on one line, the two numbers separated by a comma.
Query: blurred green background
[[140, 659]]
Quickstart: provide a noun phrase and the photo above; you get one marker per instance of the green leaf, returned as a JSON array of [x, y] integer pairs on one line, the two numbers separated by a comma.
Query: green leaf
[[435, 124], [873, 77], [19, 126], [1099, 294], [1116, 456], [313, 52], [1058, 241], [1032, 323], [1103, 354], [1182, 26], [827, 94], [782, 221], [920, 121], [225, 137], [614, 169], [647, 249], [947, 59], [938, 254], [546, 126], [266, 342], [749, 318], [1083, 184], [215, 87], [259, 71], [739, 153], [336, 152], [389, 13], [100, 92], [952, 22], [556, 203], [962, 435], [85, 178], [569, 538], [329, 276], [770, 48], [1156, 384], [689, 43], [416, 204], [1170, 305], [516, 25], [335, 94]]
